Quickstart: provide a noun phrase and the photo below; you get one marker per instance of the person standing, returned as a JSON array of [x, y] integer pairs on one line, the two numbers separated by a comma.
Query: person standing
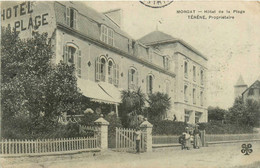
[[187, 139], [137, 139], [197, 140]]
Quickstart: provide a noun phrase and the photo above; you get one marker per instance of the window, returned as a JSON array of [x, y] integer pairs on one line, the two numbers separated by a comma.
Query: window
[[72, 55], [107, 71], [149, 84], [110, 37], [110, 72], [251, 92], [194, 96], [107, 35], [186, 116], [202, 77], [197, 117], [150, 54], [186, 69], [166, 63], [132, 79], [194, 73], [71, 17], [185, 93], [201, 98]]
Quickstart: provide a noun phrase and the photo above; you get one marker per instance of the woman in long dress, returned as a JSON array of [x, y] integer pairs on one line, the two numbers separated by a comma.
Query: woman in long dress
[[187, 139], [197, 140]]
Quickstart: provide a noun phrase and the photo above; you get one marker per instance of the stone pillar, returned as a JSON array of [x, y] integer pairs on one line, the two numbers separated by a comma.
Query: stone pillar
[[147, 128], [103, 134]]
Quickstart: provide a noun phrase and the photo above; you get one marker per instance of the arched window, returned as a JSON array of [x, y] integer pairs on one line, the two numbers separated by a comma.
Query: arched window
[[72, 55], [150, 84], [110, 71], [103, 70], [132, 79], [107, 71]]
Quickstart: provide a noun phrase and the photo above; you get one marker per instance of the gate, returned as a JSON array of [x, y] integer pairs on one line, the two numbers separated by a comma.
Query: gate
[[125, 140]]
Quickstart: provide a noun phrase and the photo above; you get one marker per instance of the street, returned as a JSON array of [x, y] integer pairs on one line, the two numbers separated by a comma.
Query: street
[[221, 155]]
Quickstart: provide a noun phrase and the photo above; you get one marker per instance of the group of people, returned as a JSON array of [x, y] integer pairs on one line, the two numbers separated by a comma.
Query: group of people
[[190, 138]]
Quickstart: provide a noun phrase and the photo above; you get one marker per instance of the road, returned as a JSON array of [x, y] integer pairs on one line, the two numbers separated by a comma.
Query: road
[[224, 155]]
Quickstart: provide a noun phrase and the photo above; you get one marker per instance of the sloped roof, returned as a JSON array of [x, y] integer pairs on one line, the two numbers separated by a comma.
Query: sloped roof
[[94, 15], [240, 81], [255, 85], [156, 36]]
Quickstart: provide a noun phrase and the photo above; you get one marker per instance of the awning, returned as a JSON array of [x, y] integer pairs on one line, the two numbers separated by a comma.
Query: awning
[[111, 90], [95, 92]]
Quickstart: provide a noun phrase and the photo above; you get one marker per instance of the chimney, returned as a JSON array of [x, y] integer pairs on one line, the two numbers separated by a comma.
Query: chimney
[[115, 16]]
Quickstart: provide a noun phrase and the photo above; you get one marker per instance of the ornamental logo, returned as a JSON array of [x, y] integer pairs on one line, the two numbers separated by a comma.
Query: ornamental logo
[[156, 3], [246, 149]]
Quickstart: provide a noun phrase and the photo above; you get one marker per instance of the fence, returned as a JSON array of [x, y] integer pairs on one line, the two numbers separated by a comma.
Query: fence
[[125, 140], [230, 137], [36, 147], [173, 140]]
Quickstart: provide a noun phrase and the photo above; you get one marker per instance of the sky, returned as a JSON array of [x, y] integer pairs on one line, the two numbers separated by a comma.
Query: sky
[[231, 46]]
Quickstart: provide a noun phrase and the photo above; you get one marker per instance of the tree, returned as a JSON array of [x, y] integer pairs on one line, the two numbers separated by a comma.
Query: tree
[[159, 103], [236, 112], [244, 113], [32, 87], [216, 114], [133, 104]]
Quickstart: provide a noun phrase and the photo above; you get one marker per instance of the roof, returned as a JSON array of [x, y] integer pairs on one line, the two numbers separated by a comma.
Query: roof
[[255, 85], [240, 81], [94, 15], [158, 37]]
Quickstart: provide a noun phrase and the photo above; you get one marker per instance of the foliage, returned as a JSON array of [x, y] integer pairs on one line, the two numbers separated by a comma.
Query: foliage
[[88, 119], [159, 103], [244, 113], [217, 127], [33, 89], [216, 114], [133, 104], [167, 127]]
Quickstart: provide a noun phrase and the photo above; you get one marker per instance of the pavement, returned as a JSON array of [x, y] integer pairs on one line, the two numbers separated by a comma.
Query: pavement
[[214, 156]]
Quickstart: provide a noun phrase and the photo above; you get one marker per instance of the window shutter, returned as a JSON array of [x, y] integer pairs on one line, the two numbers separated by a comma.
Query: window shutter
[[129, 79], [75, 19], [117, 74], [65, 54], [114, 74], [68, 16], [79, 63], [98, 64], [136, 81]]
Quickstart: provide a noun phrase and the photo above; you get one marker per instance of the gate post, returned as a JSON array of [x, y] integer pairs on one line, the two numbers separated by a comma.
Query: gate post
[[103, 135], [147, 128]]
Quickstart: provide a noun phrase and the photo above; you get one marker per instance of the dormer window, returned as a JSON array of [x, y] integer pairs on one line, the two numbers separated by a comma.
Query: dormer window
[[107, 35], [71, 18]]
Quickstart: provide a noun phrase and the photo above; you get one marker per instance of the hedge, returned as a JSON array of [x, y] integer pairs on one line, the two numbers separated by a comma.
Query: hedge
[[225, 128], [167, 127]]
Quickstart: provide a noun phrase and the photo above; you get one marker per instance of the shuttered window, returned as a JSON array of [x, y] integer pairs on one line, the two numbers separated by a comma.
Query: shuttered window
[[132, 79], [72, 56], [150, 81], [71, 17]]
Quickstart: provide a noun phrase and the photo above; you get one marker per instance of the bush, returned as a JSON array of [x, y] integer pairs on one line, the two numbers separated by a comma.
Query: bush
[[167, 127], [224, 128]]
